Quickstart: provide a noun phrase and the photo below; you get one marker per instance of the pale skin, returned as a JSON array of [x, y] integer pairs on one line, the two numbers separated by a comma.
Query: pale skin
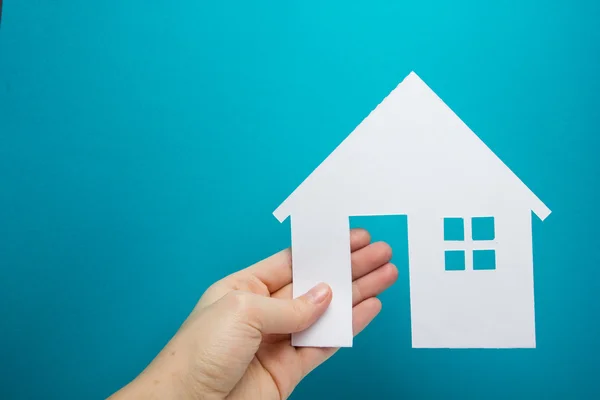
[[236, 342]]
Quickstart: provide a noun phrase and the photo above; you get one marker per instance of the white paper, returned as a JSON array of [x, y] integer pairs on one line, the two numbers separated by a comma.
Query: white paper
[[413, 156], [321, 253]]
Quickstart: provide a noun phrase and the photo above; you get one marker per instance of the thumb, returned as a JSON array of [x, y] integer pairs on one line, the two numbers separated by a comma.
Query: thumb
[[272, 316]]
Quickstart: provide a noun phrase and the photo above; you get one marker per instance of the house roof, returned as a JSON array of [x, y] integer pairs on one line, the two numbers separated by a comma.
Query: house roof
[[411, 153]]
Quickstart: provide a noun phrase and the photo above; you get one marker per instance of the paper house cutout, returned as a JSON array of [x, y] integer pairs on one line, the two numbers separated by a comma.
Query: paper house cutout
[[414, 156]]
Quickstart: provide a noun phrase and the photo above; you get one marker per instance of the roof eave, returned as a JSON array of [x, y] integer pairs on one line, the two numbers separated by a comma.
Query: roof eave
[[282, 212], [541, 210]]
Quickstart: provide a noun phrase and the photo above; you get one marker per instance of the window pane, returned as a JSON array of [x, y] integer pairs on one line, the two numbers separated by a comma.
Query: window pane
[[483, 228], [455, 260], [484, 259], [454, 229]]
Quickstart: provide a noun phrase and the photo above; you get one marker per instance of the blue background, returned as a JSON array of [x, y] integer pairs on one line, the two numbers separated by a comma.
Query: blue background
[[144, 145]]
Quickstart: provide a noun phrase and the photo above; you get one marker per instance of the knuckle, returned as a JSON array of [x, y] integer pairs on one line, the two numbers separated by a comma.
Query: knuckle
[[237, 301], [247, 283], [216, 287], [255, 285], [300, 309], [243, 309], [237, 283]]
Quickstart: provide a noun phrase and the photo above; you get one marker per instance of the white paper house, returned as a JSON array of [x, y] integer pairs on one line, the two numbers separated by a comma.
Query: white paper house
[[413, 156]]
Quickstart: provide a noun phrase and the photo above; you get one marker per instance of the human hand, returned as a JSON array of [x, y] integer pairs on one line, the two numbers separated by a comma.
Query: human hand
[[236, 342]]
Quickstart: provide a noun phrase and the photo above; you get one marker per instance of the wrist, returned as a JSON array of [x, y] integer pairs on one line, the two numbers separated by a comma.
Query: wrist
[[162, 380]]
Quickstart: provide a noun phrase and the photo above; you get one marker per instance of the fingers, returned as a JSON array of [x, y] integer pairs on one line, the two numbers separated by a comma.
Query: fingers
[[270, 274], [275, 316], [364, 261], [272, 271], [374, 283], [370, 258], [276, 271], [362, 315], [359, 238], [366, 287]]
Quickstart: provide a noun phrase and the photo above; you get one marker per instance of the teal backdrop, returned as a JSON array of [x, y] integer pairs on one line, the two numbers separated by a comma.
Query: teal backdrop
[[145, 144]]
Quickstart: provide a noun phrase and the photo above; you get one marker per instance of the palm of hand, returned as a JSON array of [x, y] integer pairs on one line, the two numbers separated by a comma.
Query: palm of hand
[[269, 367]]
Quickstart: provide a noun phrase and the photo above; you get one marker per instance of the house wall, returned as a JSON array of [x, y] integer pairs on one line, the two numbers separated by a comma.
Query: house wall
[[321, 253], [472, 308]]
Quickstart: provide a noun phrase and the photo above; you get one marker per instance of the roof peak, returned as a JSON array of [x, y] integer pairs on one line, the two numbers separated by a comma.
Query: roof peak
[[412, 145]]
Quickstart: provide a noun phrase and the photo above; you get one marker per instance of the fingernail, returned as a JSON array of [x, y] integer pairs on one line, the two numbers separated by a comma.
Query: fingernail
[[318, 294]]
